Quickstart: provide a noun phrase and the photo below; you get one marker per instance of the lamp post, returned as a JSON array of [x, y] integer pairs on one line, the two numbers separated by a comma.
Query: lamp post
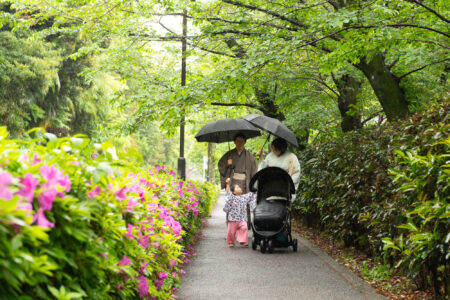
[[181, 159]]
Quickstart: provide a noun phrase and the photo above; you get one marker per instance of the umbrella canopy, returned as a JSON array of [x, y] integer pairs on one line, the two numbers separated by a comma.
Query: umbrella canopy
[[224, 131], [272, 126]]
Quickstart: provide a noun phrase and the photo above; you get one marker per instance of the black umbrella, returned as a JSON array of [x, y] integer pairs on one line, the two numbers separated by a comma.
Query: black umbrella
[[272, 126], [224, 131]]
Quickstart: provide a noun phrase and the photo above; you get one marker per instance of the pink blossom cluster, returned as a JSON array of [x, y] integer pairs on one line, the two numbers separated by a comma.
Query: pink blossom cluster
[[164, 204], [55, 184]]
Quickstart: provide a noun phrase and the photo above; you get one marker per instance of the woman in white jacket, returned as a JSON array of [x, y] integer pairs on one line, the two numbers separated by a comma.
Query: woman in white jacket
[[281, 157]]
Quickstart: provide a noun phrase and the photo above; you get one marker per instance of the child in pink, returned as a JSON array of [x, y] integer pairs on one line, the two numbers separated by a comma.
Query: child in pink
[[236, 207]]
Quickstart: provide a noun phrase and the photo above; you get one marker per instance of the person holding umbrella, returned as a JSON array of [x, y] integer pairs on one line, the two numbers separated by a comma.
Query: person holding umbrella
[[281, 157], [238, 164]]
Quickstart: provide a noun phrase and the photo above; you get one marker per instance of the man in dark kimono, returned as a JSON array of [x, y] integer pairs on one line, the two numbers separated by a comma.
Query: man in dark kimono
[[239, 165]]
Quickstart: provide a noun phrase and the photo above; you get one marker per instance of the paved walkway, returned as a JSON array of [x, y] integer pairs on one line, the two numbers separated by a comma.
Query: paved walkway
[[219, 272]]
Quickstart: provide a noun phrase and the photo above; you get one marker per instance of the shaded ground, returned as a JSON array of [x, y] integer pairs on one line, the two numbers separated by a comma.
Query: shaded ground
[[219, 272]]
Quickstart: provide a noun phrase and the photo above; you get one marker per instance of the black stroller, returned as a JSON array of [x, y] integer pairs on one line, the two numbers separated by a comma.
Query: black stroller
[[271, 222]]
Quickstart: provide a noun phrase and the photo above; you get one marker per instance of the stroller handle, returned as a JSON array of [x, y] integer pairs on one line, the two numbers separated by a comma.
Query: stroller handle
[[272, 171]]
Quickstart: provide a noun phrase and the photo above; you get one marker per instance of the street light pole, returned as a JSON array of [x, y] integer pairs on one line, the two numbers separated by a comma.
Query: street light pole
[[181, 159]]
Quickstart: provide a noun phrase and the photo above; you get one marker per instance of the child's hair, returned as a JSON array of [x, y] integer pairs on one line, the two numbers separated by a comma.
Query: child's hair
[[233, 187]]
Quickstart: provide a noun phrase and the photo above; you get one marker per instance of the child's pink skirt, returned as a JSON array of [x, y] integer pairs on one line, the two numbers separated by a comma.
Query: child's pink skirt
[[238, 228]]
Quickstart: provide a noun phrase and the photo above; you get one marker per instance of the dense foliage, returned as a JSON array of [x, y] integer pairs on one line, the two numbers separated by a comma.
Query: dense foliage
[[77, 221], [384, 189]]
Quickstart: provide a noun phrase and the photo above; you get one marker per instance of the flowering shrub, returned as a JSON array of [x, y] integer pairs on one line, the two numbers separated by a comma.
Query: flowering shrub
[[76, 221]]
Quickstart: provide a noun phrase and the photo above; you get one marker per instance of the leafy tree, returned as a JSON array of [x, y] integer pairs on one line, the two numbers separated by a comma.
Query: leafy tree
[[28, 71]]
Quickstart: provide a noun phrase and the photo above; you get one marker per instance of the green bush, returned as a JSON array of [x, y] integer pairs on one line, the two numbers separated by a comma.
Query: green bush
[[385, 189], [76, 221], [346, 189], [422, 178]]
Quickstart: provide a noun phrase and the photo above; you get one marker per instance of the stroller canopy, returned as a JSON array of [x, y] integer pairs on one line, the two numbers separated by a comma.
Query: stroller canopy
[[273, 181]]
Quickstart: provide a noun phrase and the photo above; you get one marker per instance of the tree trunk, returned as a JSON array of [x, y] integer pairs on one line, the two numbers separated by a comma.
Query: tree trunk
[[386, 87], [211, 166], [267, 104], [348, 88]]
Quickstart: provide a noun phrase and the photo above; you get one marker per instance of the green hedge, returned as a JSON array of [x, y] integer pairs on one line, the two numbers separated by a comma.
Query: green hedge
[[76, 221], [385, 189]]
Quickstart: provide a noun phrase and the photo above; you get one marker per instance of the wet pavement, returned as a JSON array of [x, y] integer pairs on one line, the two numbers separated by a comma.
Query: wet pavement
[[220, 272]]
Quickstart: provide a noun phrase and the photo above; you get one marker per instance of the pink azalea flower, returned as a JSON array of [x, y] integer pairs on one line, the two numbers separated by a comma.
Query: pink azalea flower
[[144, 241], [130, 233], [105, 255], [35, 161], [50, 174], [120, 286], [175, 225], [143, 267], [41, 220], [26, 206], [144, 182], [5, 181], [131, 204], [162, 275], [141, 196], [46, 198], [29, 184], [143, 286], [152, 206], [120, 194], [125, 261], [135, 189], [159, 284], [94, 192], [75, 163], [173, 263], [172, 172], [64, 181]]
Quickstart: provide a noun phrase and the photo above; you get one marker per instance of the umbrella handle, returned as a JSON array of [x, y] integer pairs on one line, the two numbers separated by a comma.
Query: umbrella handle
[[268, 138], [262, 148]]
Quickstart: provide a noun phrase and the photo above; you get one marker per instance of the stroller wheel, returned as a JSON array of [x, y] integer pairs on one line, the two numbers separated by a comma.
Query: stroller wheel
[[254, 244], [263, 246], [294, 245], [270, 246]]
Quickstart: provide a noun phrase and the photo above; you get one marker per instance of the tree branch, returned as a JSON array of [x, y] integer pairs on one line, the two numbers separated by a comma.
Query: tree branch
[[371, 117], [334, 4], [237, 32], [392, 64], [430, 10], [272, 13], [236, 104], [411, 25], [423, 67], [196, 46]]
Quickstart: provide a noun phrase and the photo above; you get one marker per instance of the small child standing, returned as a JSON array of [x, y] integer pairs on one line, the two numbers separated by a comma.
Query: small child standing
[[236, 207]]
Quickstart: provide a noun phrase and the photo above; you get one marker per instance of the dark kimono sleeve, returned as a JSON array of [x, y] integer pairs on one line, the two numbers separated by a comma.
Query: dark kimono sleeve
[[222, 165]]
